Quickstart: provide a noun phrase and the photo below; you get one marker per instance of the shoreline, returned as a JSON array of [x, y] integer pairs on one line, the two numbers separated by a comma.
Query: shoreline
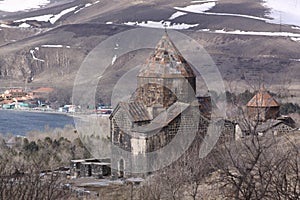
[[35, 111], [69, 114]]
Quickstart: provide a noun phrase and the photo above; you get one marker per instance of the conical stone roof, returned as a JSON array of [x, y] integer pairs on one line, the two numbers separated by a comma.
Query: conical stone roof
[[166, 62], [263, 99]]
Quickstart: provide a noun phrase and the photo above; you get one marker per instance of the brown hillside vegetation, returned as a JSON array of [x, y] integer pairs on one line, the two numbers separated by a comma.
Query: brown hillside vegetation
[[240, 58]]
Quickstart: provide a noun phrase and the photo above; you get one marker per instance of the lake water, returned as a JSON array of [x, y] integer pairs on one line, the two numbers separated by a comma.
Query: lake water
[[19, 123]]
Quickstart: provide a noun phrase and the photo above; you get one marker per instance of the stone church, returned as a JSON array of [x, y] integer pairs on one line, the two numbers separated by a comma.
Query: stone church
[[263, 106], [264, 117], [163, 105]]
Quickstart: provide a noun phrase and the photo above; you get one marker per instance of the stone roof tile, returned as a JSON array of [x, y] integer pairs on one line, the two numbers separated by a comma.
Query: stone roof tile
[[166, 62], [263, 99], [136, 111], [164, 118]]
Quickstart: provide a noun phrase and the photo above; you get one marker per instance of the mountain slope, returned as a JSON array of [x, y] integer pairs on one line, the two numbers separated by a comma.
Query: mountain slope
[[51, 53]]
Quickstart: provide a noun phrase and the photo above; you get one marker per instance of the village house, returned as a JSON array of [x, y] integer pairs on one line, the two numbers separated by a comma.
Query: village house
[[68, 108], [14, 98], [21, 99], [13, 94], [42, 93], [164, 105]]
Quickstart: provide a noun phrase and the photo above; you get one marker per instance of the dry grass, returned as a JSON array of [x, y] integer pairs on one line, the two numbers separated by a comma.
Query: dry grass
[[68, 132]]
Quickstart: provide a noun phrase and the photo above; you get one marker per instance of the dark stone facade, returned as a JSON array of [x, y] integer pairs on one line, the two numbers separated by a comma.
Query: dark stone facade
[[162, 108], [263, 113]]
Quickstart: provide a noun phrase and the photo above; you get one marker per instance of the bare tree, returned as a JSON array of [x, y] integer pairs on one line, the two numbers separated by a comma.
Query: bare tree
[[259, 166], [23, 180]]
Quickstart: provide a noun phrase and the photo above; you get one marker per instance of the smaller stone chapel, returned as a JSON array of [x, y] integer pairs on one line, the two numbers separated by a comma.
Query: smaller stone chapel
[[263, 112]]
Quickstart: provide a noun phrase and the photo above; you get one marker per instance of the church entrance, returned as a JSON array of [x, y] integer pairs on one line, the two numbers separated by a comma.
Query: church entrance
[[121, 168]]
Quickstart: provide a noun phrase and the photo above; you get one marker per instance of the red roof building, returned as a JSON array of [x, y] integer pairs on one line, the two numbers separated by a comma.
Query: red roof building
[[263, 106], [43, 90]]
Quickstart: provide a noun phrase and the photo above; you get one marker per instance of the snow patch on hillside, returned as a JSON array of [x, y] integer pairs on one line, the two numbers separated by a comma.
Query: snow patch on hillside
[[62, 13], [297, 60], [161, 24], [42, 18], [114, 59], [203, 1], [88, 5], [32, 51], [52, 46], [5, 26], [208, 5], [296, 27], [85, 6], [198, 8], [177, 14], [21, 5], [296, 39], [284, 12], [24, 25], [292, 36], [236, 15], [52, 18]]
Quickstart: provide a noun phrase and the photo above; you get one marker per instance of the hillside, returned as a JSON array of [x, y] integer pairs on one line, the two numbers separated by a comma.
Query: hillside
[[46, 46]]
